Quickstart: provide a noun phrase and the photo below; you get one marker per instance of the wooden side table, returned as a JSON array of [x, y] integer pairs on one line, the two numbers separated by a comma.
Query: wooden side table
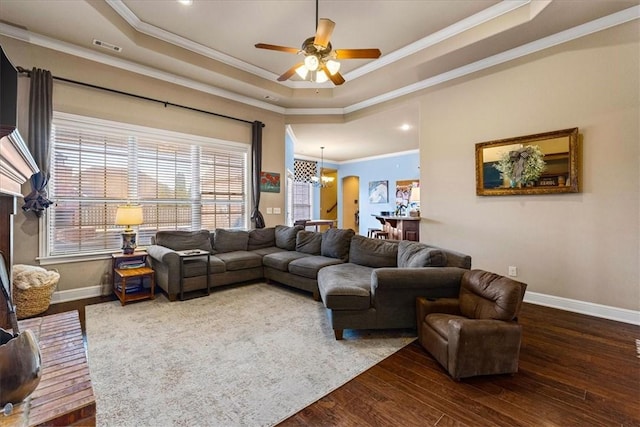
[[122, 275]]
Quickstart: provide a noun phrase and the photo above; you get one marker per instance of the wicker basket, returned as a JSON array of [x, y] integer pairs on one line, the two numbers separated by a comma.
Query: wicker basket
[[32, 297]]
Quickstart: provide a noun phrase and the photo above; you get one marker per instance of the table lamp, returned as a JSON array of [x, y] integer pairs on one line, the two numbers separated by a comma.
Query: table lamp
[[129, 215]]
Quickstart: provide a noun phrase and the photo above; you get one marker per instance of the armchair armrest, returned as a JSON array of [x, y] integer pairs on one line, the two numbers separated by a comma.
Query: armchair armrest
[[425, 306], [483, 345]]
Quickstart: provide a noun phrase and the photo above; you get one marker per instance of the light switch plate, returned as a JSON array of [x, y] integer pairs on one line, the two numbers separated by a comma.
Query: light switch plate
[[269, 211], [276, 211]]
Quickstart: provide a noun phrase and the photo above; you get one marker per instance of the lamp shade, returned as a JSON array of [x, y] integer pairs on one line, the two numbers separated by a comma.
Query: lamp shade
[[415, 194], [129, 215]]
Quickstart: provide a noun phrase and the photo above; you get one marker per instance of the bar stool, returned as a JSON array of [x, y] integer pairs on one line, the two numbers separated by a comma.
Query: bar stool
[[381, 235], [371, 232]]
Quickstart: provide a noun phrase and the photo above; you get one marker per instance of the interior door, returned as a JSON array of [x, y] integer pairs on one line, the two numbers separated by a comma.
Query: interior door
[[351, 203]]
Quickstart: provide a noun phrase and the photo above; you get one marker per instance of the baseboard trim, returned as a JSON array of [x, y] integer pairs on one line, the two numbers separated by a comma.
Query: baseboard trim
[[576, 306], [583, 307], [76, 294]]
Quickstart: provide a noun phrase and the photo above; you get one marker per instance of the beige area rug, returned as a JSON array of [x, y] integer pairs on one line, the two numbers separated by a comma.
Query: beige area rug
[[245, 356]]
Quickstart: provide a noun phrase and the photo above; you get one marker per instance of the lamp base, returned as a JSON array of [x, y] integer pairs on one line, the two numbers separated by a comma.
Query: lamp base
[[128, 242]]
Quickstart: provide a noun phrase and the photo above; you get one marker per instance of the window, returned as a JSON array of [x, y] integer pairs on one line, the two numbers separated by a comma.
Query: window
[[300, 191], [302, 196], [183, 182]]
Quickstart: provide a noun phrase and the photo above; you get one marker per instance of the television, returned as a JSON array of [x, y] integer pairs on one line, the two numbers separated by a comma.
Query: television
[[8, 94]]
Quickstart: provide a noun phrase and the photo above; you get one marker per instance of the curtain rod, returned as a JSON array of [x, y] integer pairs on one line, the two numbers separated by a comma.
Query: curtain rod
[[133, 95]]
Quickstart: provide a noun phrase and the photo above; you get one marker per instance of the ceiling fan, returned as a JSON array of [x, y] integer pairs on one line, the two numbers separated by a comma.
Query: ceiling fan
[[319, 57]]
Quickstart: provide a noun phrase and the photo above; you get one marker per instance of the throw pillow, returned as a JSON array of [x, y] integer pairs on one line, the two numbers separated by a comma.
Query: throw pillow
[[261, 238], [308, 242], [286, 237], [183, 240], [416, 254], [336, 242], [230, 240]]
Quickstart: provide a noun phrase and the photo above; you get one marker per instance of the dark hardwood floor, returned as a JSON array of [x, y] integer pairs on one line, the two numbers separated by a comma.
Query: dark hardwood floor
[[575, 370]]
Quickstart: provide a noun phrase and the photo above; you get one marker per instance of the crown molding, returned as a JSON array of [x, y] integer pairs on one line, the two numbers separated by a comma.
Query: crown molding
[[574, 33], [71, 49], [583, 30]]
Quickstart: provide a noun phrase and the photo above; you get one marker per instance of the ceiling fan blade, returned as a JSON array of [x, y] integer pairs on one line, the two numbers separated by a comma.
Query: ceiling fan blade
[[323, 32], [290, 72], [357, 53], [278, 48], [336, 78]]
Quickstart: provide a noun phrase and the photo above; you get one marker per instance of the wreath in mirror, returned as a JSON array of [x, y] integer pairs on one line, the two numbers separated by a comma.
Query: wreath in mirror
[[522, 166]]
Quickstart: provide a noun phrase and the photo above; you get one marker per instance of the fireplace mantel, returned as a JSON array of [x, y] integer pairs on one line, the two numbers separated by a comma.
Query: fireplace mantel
[[16, 167], [16, 163]]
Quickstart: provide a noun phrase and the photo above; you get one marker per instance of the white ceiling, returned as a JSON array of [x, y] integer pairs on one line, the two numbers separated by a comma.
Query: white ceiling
[[211, 44]]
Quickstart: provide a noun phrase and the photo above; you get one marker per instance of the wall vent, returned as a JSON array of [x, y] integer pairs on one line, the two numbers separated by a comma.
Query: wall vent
[[108, 46]]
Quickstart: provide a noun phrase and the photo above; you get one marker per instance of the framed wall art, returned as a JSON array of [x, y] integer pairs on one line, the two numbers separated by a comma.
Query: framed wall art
[[378, 191]]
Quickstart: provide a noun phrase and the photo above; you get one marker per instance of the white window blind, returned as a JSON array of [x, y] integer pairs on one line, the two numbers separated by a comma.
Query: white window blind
[[302, 196], [183, 183]]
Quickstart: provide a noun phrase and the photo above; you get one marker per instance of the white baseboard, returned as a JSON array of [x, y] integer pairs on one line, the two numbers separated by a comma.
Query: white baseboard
[[76, 294], [576, 306], [583, 307]]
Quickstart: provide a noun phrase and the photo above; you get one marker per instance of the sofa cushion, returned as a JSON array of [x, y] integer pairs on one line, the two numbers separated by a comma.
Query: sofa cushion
[[261, 238], [286, 237], [336, 243], [267, 251], [194, 267], [240, 260], [280, 260], [374, 253], [308, 242], [416, 254], [230, 240], [179, 240], [440, 323], [345, 286], [310, 265]]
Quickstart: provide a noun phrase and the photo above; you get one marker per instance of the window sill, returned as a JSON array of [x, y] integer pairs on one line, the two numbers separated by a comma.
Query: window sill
[[67, 259]]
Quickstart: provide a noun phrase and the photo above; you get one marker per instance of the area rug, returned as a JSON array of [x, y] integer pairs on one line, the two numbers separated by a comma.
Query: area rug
[[251, 355]]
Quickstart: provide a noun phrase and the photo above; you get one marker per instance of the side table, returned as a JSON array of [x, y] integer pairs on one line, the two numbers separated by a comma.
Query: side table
[[188, 256], [125, 269]]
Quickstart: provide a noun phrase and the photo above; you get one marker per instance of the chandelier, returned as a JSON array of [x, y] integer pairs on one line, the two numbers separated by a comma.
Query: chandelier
[[321, 180]]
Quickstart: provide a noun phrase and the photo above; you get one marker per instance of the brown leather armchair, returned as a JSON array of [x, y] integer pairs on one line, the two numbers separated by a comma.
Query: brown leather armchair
[[476, 333]]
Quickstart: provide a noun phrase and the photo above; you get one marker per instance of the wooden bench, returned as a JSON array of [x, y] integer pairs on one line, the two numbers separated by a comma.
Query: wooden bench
[[64, 396]]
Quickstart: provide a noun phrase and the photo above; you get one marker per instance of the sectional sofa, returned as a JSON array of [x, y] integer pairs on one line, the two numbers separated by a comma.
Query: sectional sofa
[[364, 283]]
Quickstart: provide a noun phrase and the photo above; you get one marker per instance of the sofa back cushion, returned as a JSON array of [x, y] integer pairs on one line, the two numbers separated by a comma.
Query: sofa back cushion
[[230, 240], [261, 238], [485, 295], [286, 237], [336, 243], [308, 242], [182, 240], [375, 253], [416, 254]]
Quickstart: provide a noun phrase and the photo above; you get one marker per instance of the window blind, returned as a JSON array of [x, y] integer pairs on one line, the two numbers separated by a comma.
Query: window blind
[[183, 183]]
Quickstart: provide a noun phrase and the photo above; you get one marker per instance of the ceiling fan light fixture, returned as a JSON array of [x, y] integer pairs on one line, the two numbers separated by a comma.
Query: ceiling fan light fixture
[[321, 77], [333, 66], [312, 62], [302, 71]]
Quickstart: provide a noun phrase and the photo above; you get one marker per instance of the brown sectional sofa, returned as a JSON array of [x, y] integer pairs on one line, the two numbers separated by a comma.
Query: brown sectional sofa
[[364, 283]]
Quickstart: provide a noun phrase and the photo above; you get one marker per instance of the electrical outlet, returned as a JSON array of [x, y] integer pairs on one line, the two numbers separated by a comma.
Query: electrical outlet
[[513, 271], [276, 211]]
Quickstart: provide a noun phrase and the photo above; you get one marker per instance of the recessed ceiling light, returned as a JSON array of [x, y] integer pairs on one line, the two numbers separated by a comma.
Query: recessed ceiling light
[[405, 127], [186, 2]]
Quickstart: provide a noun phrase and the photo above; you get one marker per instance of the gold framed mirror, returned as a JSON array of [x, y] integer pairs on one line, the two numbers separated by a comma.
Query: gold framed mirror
[[544, 163]]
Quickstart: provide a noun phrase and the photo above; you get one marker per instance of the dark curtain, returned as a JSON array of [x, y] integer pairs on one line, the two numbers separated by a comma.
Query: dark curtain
[[40, 117], [256, 167]]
